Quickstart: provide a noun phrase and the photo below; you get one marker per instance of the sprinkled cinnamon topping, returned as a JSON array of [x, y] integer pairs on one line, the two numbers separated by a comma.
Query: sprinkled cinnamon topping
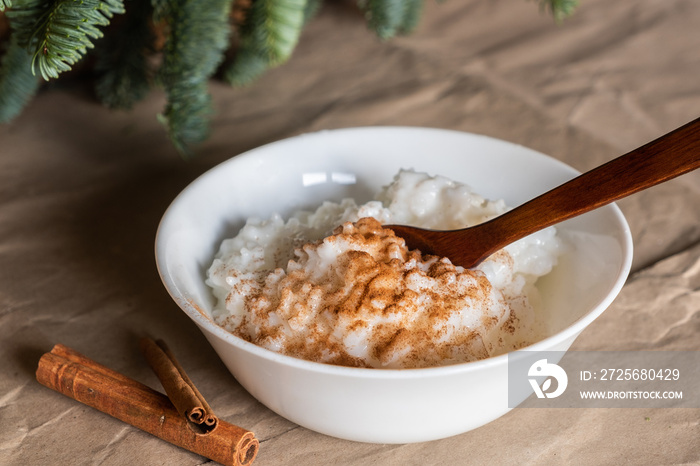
[[356, 296], [360, 298]]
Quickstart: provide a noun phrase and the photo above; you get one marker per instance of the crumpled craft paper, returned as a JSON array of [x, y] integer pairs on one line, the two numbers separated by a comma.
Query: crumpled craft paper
[[82, 190]]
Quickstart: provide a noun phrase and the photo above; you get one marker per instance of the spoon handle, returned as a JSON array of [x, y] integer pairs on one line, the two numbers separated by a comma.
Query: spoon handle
[[667, 157]]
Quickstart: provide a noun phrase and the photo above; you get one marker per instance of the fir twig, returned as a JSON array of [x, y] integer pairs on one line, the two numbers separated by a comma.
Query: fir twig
[[17, 83], [122, 58], [186, 116], [384, 17], [23, 17], [560, 9], [268, 35], [411, 16], [53, 35], [311, 9], [62, 31], [248, 66], [387, 18], [199, 33]]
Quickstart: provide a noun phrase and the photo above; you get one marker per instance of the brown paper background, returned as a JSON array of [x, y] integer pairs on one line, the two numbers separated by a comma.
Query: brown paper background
[[82, 190]]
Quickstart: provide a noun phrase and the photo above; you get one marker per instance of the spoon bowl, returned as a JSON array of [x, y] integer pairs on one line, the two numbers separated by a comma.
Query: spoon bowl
[[662, 159]]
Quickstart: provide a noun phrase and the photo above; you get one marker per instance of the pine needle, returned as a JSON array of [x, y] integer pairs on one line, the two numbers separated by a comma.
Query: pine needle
[[122, 59], [17, 83], [199, 33], [268, 36]]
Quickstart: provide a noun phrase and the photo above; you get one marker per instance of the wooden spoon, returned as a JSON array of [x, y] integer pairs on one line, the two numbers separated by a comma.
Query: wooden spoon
[[667, 157]]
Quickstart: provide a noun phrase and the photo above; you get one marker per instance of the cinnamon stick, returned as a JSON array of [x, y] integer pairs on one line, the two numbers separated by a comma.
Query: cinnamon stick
[[184, 395], [95, 385]]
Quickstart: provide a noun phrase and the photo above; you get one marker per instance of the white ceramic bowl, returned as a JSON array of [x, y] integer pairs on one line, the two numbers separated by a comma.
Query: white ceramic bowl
[[372, 405]]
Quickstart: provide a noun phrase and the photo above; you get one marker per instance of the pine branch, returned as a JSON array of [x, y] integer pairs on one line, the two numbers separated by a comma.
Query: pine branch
[[17, 83], [23, 18], [247, 67], [311, 9], [186, 116], [199, 33], [411, 16], [61, 32], [384, 17], [275, 27], [560, 9], [122, 58], [53, 35], [269, 34]]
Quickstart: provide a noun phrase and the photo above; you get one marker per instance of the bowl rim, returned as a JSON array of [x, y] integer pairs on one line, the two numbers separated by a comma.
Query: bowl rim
[[569, 332]]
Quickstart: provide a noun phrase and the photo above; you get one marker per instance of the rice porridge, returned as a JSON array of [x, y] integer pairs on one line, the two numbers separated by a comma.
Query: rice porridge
[[333, 286]]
